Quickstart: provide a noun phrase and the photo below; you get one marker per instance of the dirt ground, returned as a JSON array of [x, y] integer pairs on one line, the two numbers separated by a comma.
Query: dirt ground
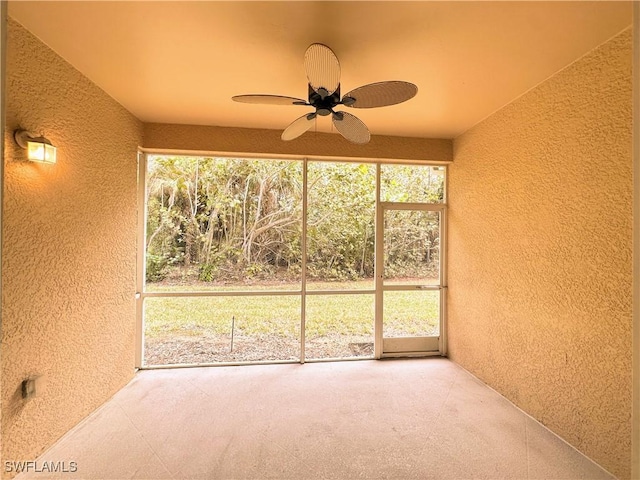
[[212, 349]]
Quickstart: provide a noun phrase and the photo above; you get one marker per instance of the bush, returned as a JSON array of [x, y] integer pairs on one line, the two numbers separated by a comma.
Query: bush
[[157, 268], [207, 272], [259, 271]]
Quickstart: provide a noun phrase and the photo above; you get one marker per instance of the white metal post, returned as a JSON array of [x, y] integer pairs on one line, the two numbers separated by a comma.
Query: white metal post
[[378, 269], [303, 245], [140, 256], [443, 281]]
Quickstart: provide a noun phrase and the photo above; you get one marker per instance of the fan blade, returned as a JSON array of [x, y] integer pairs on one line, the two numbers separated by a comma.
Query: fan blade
[[298, 126], [380, 94], [269, 99], [322, 67], [351, 127]]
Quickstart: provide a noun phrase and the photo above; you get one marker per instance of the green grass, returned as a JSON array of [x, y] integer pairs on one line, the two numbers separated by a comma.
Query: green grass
[[405, 313], [411, 313], [190, 286]]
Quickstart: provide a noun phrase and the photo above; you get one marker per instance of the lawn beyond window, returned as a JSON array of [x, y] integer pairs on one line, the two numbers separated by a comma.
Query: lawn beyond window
[[198, 330]]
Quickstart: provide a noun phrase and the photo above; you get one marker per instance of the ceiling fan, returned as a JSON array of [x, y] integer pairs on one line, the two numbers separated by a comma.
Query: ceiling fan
[[323, 72]]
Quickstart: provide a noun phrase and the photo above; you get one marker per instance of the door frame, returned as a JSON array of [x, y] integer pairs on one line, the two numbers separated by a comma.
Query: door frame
[[408, 346]]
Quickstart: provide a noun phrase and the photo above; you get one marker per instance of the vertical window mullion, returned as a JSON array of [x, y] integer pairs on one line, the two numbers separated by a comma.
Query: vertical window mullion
[[141, 256], [378, 269], [303, 278]]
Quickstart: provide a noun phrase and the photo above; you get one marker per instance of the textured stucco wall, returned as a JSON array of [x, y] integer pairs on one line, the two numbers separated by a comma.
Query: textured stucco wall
[[261, 141], [68, 251], [3, 51], [540, 253]]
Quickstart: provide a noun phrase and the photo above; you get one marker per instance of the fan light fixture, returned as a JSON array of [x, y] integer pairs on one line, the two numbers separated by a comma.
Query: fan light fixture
[[39, 148], [323, 74]]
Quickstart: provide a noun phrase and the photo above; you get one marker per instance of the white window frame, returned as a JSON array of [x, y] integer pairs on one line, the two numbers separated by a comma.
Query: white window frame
[[377, 291]]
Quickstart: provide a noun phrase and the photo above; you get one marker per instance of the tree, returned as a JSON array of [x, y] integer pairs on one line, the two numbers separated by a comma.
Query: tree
[[236, 219]]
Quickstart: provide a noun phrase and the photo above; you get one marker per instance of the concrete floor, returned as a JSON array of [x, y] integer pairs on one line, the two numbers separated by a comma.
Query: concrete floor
[[396, 419]]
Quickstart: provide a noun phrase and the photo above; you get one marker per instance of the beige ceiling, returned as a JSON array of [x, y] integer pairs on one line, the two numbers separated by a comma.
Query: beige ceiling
[[181, 62]]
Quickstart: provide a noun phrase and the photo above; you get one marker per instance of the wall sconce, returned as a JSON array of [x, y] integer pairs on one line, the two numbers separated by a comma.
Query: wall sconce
[[39, 149]]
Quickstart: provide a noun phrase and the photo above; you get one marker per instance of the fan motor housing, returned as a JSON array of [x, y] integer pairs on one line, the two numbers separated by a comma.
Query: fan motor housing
[[324, 104]]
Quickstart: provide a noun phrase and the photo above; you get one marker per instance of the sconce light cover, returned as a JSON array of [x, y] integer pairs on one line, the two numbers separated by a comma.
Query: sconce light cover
[[39, 149]]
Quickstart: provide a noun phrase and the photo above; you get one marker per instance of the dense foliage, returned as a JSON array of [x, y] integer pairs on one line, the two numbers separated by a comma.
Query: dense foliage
[[239, 219]]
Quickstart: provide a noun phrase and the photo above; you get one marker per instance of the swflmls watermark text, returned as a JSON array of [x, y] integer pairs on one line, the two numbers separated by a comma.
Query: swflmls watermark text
[[12, 466]]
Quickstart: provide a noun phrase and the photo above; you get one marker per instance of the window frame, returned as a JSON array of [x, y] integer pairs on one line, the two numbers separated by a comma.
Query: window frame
[[377, 291]]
